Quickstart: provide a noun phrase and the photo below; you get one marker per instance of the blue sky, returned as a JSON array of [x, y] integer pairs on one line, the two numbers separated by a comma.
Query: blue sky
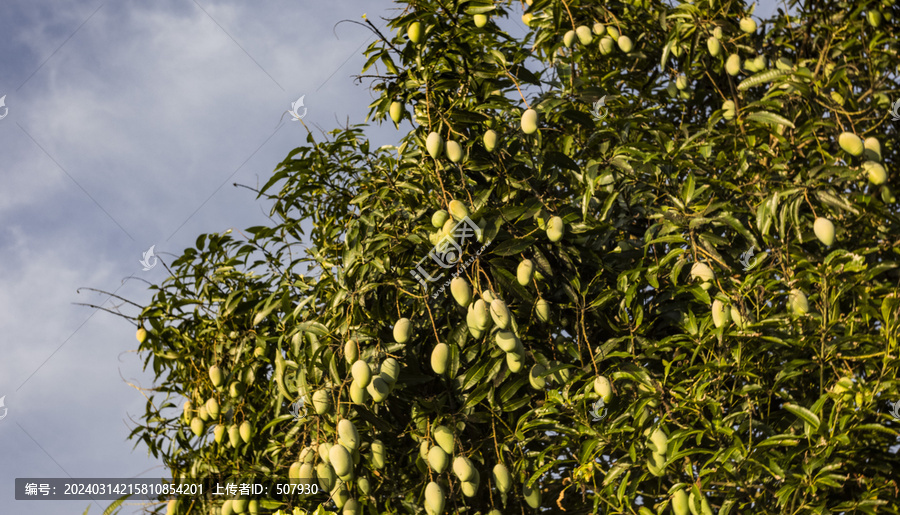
[[128, 122]]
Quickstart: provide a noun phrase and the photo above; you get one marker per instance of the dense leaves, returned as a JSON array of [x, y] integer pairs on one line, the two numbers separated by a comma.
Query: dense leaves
[[772, 408]]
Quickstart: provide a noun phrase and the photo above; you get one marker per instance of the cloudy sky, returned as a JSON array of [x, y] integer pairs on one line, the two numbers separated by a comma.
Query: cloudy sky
[[127, 124]]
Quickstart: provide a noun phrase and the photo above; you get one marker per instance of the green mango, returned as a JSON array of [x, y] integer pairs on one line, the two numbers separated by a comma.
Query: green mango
[[799, 303], [253, 507], [659, 442], [434, 499], [542, 308], [444, 437], [714, 46], [377, 449], [569, 39], [219, 433], [186, 413], [472, 324], [378, 389], [454, 151], [748, 25], [462, 292], [348, 436], [434, 144], [414, 31], [515, 362], [680, 502], [294, 470], [396, 111], [339, 458], [584, 35], [197, 426], [481, 315], [480, 20], [234, 435], [458, 210], [625, 44], [437, 459], [212, 407], [720, 313], [500, 314], [203, 413], [603, 388], [737, 317], [824, 230], [506, 340], [872, 149], [173, 505], [525, 272], [532, 496], [440, 358], [439, 218], [534, 377], [490, 140], [326, 476], [361, 373], [555, 228], [717, 33], [875, 172], [141, 335], [702, 271], [390, 371], [606, 45], [215, 375], [227, 508], [598, 29], [240, 504], [339, 494], [502, 478], [613, 32], [351, 507], [402, 330], [363, 485], [529, 121], [321, 401], [246, 431], [733, 65], [463, 468], [236, 389], [351, 351]]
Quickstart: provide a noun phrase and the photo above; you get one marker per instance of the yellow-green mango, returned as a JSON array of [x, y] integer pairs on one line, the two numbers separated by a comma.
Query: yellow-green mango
[[458, 210], [598, 29], [529, 121], [402, 330], [294, 470], [172, 507], [488, 297], [351, 351], [339, 494], [490, 140], [659, 442], [361, 373], [351, 507], [606, 45], [506, 340], [390, 371], [215, 375], [321, 402], [454, 151], [875, 172], [414, 31], [378, 389], [502, 478], [444, 437], [874, 17], [704, 273], [851, 143], [720, 313], [603, 388], [377, 449], [555, 229], [463, 468], [737, 317], [532, 496], [500, 314], [246, 431], [824, 230], [872, 149], [434, 499], [515, 362], [339, 458], [348, 436], [524, 272], [437, 459], [717, 33], [239, 504], [236, 389], [613, 32], [219, 433], [569, 38], [481, 315], [625, 43], [326, 476], [534, 377], [680, 502], [473, 325], [363, 485], [748, 25], [799, 303], [655, 464], [141, 335], [227, 508], [434, 144], [714, 46], [212, 407], [197, 426], [542, 307], [462, 292], [358, 393], [733, 65], [396, 111], [440, 358], [439, 218], [234, 435], [584, 35], [187, 413], [480, 20], [681, 82], [470, 488], [526, 18], [203, 413]]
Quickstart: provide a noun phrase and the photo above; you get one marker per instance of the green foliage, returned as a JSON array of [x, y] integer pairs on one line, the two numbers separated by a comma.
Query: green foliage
[[748, 411]]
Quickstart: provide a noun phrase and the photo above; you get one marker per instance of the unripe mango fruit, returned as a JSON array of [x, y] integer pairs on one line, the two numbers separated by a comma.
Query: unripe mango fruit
[[202, 413], [378, 389], [613, 32], [532, 496], [377, 449], [603, 388], [481, 315], [851, 143], [357, 393], [246, 431], [702, 271], [681, 82], [488, 297], [434, 499], [439, 218], [680, 502], [348, 436], [542, 308], [737, 317], [361, 373], [659, 442], [625, 44], [502, 478], [462, 292], [227, 508], [555, 229], [440, 358], [234, 435], [239, 504], [197, 426], [390, 371], [414, 31], [463, 468], [515, 362], [219, 433], [402, 330], [339, 459], [458, 210], [524, 272], [215, 375], [141, 335], [748, 25], [824, 230], [470, 488], [506, 340], [529, 121], [526, 18], [799, 303], [569, 38], [438, 459], [396, 111], [321, 402], [721, 315], [490, 140], [534, 377], [444, 437], [454, 151], [598, 29], [872, 149], [326, 476], [714, 46], [480, 20], [351, 351], [875, 172], [434, 144], [500, 314], [733, 65], [584, 35], [212, 407], [606, 45]]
